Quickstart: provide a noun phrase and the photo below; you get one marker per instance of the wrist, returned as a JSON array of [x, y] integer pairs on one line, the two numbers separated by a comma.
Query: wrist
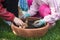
[[14, 19]]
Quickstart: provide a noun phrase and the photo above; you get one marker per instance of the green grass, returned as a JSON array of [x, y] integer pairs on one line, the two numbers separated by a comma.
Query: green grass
[[7, 34]]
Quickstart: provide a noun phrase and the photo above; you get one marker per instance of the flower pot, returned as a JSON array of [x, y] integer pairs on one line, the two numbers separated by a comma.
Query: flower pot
[[32, 32]]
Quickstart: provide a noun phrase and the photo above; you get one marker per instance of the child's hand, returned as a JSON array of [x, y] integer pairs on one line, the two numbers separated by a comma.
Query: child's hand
[[39, 23]]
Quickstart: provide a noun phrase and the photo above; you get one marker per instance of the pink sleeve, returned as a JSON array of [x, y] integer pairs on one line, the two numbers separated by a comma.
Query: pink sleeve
[[33, 8], [55, 14], [52, 18]]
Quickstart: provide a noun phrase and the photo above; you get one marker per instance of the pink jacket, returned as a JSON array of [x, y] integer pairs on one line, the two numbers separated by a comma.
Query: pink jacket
[[54, 6]]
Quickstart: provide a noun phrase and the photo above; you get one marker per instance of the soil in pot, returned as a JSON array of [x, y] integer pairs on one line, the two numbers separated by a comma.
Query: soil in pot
[[30, 24]]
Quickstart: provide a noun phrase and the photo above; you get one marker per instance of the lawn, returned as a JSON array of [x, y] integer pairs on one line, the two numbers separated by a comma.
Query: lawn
[[7, 34]]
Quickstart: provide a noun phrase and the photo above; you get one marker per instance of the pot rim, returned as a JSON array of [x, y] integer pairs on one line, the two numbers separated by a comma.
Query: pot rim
[[47, 26]]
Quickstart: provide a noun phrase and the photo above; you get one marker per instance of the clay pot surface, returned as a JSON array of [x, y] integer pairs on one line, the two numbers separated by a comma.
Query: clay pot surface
[[25, 32]]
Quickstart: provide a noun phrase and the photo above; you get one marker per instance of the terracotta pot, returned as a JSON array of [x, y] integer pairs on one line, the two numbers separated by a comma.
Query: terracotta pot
[[35, 32]]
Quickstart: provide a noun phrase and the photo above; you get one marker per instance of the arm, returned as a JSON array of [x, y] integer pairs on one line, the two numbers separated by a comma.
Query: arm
[[5, 14], [54, 13], [9, 16]]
